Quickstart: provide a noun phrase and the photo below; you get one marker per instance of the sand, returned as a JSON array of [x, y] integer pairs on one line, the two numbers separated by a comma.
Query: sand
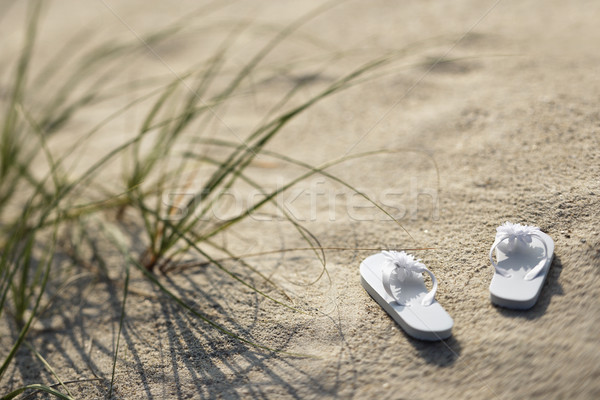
[[510, 118]]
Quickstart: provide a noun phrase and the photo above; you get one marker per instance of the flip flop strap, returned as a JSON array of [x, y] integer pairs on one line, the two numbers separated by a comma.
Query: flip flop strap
[[386, 275], [531, 274]]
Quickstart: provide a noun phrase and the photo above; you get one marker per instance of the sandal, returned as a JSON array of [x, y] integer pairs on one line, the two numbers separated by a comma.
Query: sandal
[[523, 254], [395, 282]]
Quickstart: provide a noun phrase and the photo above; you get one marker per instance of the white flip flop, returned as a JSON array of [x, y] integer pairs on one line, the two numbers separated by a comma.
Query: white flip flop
[[395, 282], [524, 255]]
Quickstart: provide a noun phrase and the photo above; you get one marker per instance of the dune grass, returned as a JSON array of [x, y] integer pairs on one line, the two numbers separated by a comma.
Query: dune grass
[[51, 204]]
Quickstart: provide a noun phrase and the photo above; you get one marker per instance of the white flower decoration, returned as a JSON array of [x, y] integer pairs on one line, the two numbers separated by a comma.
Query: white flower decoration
[[515, 236], [406, 268], [512, 237], [405, 264]]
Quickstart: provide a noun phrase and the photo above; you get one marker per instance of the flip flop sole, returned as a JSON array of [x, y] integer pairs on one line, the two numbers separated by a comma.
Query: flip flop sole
[[421, 322], [515, 292]]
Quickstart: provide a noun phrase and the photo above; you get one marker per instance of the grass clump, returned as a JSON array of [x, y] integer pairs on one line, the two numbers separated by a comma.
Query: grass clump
[[48, 210]]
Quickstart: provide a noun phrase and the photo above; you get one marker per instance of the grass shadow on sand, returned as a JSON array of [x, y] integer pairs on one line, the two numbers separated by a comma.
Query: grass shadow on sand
[[213, 366], [71, 338]]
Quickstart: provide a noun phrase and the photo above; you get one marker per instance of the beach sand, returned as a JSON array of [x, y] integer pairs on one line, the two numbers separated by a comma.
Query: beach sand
[[501, 95]]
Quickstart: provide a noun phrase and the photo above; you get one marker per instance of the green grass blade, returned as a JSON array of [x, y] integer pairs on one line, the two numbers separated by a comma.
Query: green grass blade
[[121, 322], [244, 154], [154, 280], [25, 328], [7, 147], [6, 261], [48, 367], [251, 268], [312, 171], [229, 164], [306, 235], [191, 242], [37, 387]]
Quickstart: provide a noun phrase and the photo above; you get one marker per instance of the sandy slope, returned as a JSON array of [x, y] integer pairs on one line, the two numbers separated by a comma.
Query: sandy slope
[[514, 127]]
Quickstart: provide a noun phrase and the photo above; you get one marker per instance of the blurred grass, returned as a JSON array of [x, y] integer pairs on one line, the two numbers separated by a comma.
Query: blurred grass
[[56, 210]]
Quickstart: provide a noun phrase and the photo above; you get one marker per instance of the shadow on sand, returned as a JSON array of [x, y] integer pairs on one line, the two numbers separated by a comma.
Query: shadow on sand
[[443, 353], [168, 352]]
